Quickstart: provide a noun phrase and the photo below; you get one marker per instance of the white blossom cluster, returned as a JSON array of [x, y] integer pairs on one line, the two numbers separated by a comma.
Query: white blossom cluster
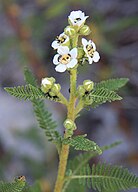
[[65, 58]]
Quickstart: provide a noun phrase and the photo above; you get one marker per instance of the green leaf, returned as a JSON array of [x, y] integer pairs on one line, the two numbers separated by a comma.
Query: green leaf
[[29, 77], [107, 147], [25, 92], [81, 143], [104, 177], [81, 160], [16, 186], [74, 187], [44, 117], [102, 95], [74, 167], [111, 84], [29, 92]]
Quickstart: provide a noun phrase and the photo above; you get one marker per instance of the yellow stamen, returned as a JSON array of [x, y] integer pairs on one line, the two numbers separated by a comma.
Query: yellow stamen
[[61, 39], [90, 50], [65, 59]]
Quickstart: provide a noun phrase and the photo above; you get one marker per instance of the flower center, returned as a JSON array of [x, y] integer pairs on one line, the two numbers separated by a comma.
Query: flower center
[[61, 39], [77, 19], [90, 50], [65, 59]]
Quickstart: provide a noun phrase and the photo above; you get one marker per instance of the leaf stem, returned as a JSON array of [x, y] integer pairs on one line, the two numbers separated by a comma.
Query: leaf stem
[[63, 99]]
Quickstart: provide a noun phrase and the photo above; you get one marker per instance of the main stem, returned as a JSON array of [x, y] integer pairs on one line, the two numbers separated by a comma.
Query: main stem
[[70, 115]]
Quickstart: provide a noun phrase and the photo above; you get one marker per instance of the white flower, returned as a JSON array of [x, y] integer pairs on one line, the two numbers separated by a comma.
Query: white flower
[[90, 50], [65, 58], [77, 18], [45, 82], [60, 40]]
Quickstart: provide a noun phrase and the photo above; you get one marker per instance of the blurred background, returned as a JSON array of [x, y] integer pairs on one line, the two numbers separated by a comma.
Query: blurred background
[[27, 28]]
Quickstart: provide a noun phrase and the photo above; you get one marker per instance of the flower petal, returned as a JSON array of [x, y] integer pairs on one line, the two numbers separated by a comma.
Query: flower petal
[[90, 60], [93, 44], [74, 14], [79, 14], [61, 34], [55, 59], [84, 42], [45, 82], [96, 56], [79, 23], [55, 44], [73, 53], [72, 63], [62, 50], [61, 68]]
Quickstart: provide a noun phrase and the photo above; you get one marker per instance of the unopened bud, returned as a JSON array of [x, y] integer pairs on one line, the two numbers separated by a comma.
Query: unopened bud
[[70, 31], [69, 124], [56, 88], [85, 30], [47, 83], [51, 94], [88, 100], [69, 132], [81, 91], [88, 85]]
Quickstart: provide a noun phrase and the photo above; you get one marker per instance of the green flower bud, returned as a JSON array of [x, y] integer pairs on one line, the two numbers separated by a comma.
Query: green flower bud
[[69, 132], [81, 91], [56, 88], [69, 124], [70, 31], [51, 94], [88, 100], [85, 30], [47, 83], [88, 85]]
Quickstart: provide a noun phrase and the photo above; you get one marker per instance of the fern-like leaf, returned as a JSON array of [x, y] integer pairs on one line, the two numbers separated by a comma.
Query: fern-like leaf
[[25, 92], [81, 143], [104, 177], [81, 160], [16, 186], [102, 95], [74, 166], [111, 84], [29, 92], [29, 77], [74, 187], [44, 117], [45, 121], [107, 147]]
